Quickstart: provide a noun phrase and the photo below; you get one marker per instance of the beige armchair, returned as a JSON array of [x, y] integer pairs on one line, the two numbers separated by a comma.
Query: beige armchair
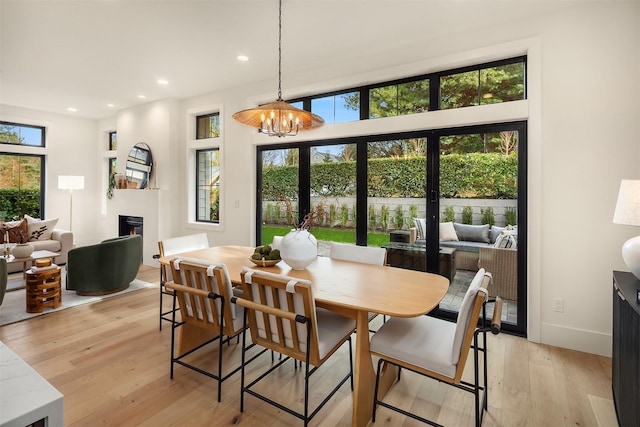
[[503, 265]]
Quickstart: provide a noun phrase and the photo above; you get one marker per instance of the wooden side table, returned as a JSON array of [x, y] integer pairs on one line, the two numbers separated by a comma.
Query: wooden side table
[[43, 289]]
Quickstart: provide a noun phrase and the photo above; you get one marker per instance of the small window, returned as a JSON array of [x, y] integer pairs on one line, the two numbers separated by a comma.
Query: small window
[[208, 126], [17, 134], [113, 166], [113, 140], [399, 99], [208, 185], [488, 85], [344, 107]]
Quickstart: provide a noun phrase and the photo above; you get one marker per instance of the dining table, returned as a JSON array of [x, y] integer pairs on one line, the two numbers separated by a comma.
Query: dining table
[[353, 290]]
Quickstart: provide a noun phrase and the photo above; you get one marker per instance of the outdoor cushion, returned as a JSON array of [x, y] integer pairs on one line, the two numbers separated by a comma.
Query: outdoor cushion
[[421, 226], [472, 233], [507, 239], [448, 232]]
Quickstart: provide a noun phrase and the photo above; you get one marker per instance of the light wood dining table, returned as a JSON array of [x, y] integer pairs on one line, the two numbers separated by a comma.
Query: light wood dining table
[[353, 290]]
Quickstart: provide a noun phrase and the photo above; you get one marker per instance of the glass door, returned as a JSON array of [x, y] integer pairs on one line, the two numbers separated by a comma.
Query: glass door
[[480, 215], [277, 192]]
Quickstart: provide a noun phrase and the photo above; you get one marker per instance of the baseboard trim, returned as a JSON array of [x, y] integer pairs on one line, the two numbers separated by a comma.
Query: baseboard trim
[[576, 339]]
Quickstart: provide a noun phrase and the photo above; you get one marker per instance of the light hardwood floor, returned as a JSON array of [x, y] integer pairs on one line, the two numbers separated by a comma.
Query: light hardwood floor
[[111, 363]]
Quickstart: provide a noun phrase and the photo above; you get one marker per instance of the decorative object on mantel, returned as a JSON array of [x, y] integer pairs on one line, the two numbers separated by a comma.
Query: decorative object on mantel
[[628, 213], [139, 166], [112, 185], [299, 247], [70, 182], [279, 118]]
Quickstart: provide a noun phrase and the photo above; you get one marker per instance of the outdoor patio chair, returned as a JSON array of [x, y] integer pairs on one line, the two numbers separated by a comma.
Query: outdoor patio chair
[[503, 265]]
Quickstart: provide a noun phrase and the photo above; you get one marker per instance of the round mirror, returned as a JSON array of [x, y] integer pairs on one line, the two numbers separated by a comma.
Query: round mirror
[[139, 166]]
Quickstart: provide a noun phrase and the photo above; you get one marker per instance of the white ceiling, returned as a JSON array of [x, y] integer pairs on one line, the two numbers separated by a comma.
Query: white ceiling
[[86, 54]]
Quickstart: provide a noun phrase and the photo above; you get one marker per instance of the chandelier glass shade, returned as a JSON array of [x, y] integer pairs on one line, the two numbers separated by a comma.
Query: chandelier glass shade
[[279, 118]]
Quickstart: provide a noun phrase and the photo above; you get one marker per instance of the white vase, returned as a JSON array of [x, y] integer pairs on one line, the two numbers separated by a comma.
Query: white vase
[[298, 249], [22, 250]]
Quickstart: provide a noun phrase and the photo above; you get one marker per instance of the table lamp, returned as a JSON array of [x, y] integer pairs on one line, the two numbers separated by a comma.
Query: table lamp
[[628, 213], [70, 182]]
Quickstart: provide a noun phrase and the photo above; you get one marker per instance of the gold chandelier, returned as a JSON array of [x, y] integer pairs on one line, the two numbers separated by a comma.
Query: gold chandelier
[[279, 118]]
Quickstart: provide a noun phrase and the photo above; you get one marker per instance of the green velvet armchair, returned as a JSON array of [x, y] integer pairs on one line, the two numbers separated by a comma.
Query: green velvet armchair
[[107, 267], [3, 278]]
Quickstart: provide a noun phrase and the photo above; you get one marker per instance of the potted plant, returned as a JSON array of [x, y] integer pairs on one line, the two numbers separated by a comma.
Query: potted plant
[[299, 247]]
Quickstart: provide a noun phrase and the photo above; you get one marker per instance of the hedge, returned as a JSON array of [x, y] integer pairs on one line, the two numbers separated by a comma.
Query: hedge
[[15, 203], [473, 175]]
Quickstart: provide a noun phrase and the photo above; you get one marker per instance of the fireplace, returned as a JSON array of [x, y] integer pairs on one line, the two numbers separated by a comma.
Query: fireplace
[[130, 225]]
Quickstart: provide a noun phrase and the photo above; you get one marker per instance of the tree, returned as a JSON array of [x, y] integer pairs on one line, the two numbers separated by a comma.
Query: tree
[[348, 152], [508, 142], [10, 134]]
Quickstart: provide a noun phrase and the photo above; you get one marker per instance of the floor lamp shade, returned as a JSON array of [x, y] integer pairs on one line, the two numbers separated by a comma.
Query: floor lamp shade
[[628, 213], [70, 182]]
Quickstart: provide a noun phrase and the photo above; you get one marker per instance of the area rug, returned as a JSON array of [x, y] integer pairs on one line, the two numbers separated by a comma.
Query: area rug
[[13, 308]]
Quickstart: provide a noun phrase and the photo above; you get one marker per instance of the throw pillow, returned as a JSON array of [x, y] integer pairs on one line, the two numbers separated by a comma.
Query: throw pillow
[[447, 232], [472, 233], [16, 230], [421, 226], [508, 239], [494, 233], [39, 229]]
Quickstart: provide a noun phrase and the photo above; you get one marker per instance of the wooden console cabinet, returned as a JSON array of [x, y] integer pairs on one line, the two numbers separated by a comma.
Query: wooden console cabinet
[[625, 378]]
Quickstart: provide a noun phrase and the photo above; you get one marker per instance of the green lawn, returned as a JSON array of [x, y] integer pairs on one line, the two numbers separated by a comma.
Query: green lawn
[[327, 234]]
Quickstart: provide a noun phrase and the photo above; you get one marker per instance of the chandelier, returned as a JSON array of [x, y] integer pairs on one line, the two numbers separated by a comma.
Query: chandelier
[[279, 118]]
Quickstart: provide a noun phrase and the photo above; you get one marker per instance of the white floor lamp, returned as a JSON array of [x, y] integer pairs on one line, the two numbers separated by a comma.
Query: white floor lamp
[[70, 182], [628, 213]]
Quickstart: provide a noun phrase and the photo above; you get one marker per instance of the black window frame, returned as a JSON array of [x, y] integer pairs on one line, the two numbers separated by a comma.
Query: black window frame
[[208, 115], [41, 128], [197, 186], [41, 213]]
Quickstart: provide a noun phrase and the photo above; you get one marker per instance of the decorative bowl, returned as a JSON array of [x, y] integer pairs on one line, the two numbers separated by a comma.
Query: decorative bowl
[[265, 262]]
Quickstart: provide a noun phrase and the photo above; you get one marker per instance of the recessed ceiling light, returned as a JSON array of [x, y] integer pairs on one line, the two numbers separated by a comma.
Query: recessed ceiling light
[[72, 109], [141, 96], [110, 105], [242, 58], [163, 82]]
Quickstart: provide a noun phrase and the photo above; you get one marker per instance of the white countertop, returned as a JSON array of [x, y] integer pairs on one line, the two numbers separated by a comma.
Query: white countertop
[[25, 396]]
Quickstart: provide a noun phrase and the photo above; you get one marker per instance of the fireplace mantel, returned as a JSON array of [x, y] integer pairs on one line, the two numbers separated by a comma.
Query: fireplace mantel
[[143, 203]]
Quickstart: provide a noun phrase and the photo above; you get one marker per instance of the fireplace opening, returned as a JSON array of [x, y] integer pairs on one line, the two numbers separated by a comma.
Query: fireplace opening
[[130, 225]]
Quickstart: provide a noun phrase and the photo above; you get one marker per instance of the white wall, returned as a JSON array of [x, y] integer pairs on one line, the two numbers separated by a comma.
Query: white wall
[[70, 150], [583, 111]]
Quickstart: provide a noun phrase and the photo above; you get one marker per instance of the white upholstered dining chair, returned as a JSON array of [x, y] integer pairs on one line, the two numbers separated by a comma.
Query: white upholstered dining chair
[[364, 254], [204, 290], [355, 253], [282, 316], [172, 246], [438, 349]]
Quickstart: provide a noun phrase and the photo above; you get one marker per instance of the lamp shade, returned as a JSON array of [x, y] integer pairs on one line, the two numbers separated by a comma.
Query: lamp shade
[[628, 205], [628, 213], [70, 182]]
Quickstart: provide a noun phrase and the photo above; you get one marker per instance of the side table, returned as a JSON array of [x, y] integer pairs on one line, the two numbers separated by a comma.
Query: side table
[[43, 289]]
